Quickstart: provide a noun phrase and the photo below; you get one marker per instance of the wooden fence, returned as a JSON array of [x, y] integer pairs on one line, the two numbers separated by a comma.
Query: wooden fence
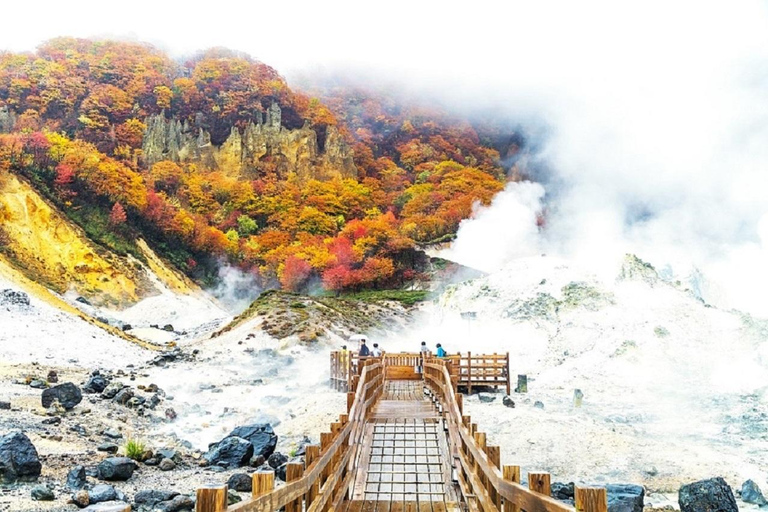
[[322, 481], [484, 483], [471, 370]]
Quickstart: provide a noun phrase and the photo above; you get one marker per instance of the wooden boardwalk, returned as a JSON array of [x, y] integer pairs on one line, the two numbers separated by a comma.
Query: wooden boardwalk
[[404, 463], [404, 445]]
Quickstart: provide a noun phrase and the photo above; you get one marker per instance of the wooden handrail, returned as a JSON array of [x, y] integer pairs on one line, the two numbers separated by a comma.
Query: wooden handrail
[[336, 460], [482, 476]]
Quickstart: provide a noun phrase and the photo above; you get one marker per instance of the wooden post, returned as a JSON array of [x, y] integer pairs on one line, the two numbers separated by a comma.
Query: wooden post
[[480, 442], [343, 418], [326, 438], [494, 457], [460, 403], [293, 471], [469, 373], [263, 482], [539, 482], [350, 400], [522, 384], [509, 376], [591, 499], [211, 498], [511, 473], [311, 455]]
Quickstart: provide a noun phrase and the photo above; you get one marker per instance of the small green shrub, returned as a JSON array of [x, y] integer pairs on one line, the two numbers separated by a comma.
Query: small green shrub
[[135, 449]]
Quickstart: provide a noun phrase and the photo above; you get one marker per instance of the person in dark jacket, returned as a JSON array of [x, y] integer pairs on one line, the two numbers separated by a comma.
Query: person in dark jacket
[[364, 352]]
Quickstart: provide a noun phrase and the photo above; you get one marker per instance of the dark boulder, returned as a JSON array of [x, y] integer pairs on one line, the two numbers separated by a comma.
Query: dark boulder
[[276, 460], [53, 377], [42, 493], [124, 395], [260, 435], [240, 482], [5, 406], [167, 465], [713, 495], [116, 468], [101, 493], [750, 493], [256, 461], [168, 328], [176, 504], [280, 472], [625, 498], [508, 402], [68, 395], [231, 452], [76, 478], [486, 397], [10, 297], [18, 458], [148, 499], [170, 453], [561, 491], [95, 384]]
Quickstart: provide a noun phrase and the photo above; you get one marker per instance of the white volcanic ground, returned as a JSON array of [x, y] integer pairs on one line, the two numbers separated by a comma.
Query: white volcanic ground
[[674, 390]]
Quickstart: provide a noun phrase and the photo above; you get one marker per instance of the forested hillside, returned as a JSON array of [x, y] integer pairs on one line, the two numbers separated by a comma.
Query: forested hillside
[[216, 158]]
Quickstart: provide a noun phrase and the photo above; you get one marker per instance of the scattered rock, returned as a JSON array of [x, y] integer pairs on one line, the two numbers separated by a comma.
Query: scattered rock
[[167, 465], [42, 493], [170, 414], [108, 447], [233, 498], [112, 433], [96, 384], [5, 406], [276, 460], [10, 297], [240, 482], [127, 327], [280, 472], [123, 396], [101, 493], [152, 461], [18, 458], [539, 405], [112, 389], [508, 402], [67, 394], [146, 500], [53, 377], [707, 495], [260, 435], [486, 397], [76, 478], [750, 493], [170, 453], [231, 452], [168, 328], [116, 468], [38, 384], [107, 506], [81, 498], [256, 461], [561, 491], [625, 498], [55, 420], [176, 504], [83, 300]]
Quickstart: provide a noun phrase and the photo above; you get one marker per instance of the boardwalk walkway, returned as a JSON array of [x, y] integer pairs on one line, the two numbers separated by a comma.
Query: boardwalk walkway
[[404, 462]]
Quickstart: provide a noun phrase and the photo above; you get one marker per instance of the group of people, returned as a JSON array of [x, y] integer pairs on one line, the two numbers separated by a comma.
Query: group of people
[[377, 352]]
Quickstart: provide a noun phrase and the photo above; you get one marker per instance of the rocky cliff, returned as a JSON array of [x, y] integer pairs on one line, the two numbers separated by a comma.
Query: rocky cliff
[[263, 147]]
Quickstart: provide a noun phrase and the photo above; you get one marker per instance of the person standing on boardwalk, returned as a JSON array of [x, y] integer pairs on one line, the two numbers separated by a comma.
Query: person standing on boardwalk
[[376, 352], [440, 351], [423, 352], [364, 352]]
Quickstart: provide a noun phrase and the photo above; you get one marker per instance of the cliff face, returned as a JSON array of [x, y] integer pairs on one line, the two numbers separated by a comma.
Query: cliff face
[[263, 147]]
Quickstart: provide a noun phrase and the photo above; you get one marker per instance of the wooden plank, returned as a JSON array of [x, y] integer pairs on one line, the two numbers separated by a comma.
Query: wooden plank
[[382, 506], [591, 499], [511, 474], [293, 472]]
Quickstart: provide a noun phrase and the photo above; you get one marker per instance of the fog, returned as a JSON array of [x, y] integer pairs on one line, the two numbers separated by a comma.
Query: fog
[[650, 118]]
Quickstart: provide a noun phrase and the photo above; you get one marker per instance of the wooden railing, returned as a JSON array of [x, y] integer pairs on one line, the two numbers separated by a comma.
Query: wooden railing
[[470, 370], [484, 483], [322, 481]]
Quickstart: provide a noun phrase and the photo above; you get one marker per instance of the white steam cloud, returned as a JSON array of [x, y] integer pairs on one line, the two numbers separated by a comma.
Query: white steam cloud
[[235, 289]]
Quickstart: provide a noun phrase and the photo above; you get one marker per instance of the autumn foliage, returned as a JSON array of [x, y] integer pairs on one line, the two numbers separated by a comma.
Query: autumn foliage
[[79, 109]]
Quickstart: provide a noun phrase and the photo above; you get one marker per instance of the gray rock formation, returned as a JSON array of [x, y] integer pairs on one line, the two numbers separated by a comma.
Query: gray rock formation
[[7, 119], [263, 146]]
